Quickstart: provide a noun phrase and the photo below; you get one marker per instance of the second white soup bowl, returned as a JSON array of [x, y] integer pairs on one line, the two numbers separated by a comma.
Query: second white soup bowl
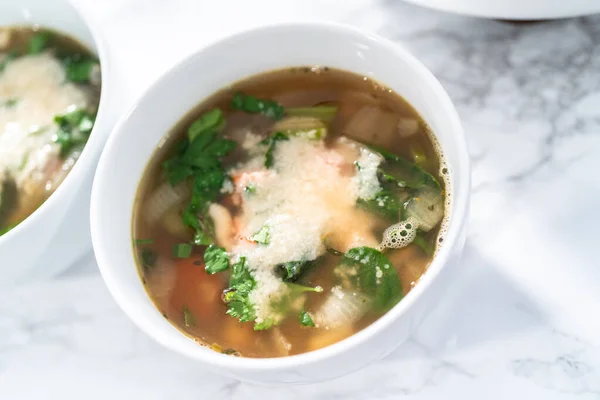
[[133, 142], [56, 234]]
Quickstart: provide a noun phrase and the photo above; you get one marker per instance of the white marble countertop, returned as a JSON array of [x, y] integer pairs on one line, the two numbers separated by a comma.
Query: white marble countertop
[[522, 319]]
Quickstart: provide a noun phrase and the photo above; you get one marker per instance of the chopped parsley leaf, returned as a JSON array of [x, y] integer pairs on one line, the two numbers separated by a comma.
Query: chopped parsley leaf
[[74, 130], [305, 319], [182, 250], [199, 159], [271, 141], [263, 236], [216, 259], [236, 296]]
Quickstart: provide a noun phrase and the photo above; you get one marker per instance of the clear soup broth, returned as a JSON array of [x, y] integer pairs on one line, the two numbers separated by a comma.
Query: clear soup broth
[[289, 211]]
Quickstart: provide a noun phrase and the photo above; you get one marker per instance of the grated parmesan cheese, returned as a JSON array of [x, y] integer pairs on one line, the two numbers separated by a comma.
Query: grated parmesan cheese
[[366, 177], [251, 140], [301, 199]]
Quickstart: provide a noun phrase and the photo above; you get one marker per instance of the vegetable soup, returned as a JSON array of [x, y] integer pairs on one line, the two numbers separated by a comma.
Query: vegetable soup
[[49, 95], [289, 211]]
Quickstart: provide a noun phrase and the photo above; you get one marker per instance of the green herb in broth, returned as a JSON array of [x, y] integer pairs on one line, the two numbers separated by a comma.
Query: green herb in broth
[[182, 250], [324, 113], [291, 271], [263, 235], [250, 188], [24, 162], [212, 120], [38, 42], [306, 127], [385, 202], [236, 296], [305, 319], [408, 172], [384, 177], [216, 259], [188, 318], [148, 257], [38, 130], [199, 159], [79, 67], [271, 142], [418, 154], [9, 197], [10, 103], [74, 130], [140, 242], [254, 105], [424, 244], [11, 55], [373, 274]]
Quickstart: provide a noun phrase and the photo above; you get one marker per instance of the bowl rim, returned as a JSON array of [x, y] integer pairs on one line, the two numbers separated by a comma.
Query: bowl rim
[[92, 147], [507, 11], [456, 222]]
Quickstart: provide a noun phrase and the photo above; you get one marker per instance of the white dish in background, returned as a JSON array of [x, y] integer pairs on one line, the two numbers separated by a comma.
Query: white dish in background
[[198, 77], [57, 233], [515, 9]]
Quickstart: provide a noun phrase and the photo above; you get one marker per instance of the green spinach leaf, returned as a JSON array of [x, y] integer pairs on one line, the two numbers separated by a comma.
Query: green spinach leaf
[[405, 172], [291, 271], [375, 276], [385, 203], [254, 105]]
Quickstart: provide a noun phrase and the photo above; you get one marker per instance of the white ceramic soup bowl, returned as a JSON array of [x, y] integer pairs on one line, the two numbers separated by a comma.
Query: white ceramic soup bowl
[[131, 145], [515, 9], [57, 233]]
